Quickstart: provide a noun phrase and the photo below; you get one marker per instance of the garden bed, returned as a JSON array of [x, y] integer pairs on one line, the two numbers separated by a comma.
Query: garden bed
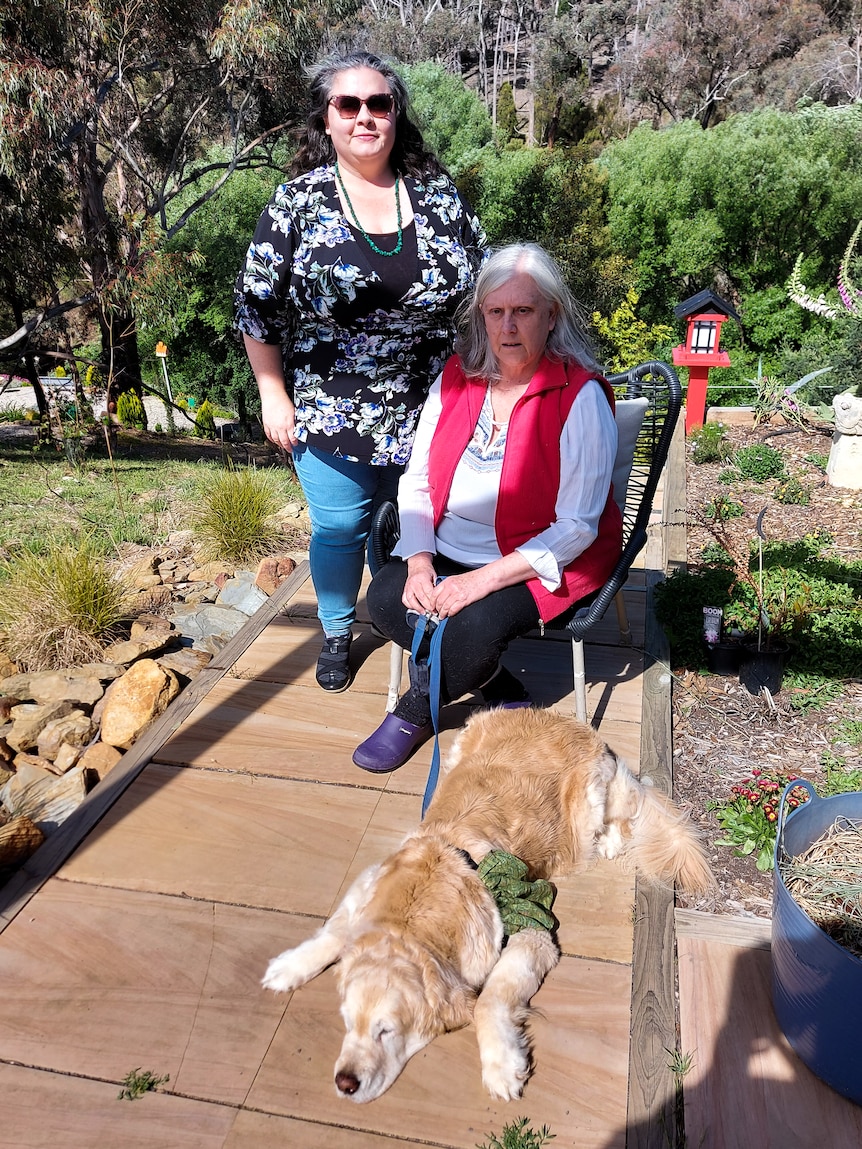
[[721, 732]]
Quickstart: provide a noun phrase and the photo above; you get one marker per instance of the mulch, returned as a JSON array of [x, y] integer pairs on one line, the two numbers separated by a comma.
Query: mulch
[[720, 731]]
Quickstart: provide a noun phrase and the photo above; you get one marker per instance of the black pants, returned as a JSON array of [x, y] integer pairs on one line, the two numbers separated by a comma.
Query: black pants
[[474, 638]]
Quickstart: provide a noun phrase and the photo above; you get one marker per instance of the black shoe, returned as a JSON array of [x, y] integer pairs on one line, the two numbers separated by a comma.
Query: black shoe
[[333, 663]]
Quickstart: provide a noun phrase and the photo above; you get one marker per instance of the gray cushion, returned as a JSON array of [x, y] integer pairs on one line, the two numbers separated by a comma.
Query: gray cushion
[[629, 417]]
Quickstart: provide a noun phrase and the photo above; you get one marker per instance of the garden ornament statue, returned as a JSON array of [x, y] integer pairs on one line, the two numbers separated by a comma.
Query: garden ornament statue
[[844, 468]]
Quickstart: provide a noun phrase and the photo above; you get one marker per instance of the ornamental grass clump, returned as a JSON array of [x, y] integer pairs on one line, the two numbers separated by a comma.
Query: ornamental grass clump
[[235, 518], [749, 819], [60, 607]]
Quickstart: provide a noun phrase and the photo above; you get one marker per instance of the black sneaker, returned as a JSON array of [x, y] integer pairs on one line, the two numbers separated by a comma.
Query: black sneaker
[[333, 663]]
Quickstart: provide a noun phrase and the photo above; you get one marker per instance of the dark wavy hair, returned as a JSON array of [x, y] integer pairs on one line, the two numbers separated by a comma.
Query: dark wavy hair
[[410, 154]]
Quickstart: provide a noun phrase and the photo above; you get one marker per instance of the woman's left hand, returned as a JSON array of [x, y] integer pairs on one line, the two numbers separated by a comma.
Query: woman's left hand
[[457, 591]]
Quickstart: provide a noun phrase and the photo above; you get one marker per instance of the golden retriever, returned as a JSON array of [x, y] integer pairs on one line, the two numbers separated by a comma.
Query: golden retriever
[[419, 936]]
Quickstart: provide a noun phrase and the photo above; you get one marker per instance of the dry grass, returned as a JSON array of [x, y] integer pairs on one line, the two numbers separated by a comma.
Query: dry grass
[[826, 881], [58, 608]]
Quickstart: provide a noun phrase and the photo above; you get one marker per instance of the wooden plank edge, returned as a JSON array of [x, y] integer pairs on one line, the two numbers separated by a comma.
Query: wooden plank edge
[[44, 863], [731, 930], [651, 1094]]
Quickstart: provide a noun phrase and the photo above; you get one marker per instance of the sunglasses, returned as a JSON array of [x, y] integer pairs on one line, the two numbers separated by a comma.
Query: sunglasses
[[348, 107]]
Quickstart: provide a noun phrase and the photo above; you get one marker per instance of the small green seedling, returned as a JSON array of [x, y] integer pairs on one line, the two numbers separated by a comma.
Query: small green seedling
[[138, 1082], [519, 1135]]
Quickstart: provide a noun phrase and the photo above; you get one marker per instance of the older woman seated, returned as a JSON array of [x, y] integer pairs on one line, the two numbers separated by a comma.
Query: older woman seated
[[507, 514]]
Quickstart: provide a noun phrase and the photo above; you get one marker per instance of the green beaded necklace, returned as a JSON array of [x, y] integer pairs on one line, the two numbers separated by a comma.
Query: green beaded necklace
[[365, 234]]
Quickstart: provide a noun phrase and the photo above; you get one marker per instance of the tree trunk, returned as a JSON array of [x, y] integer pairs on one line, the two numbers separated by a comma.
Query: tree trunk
[[116, 319], [120, 352]]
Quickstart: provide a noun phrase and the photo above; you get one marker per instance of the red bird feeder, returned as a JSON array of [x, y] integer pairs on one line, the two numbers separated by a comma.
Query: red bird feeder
[[704, 313]]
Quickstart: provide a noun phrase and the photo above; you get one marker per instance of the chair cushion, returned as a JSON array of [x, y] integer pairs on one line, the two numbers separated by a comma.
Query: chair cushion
[[629, 417]]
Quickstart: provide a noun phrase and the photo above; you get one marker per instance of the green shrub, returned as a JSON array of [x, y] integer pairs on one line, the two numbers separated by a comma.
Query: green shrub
[[130, 410], [679, 603], [721, 509], [817, 460], [791, 492], [58, 607], [840, 779], [811, 599], [204, 418], [13, 414], [759, 462], [710, 444], [235, 519]]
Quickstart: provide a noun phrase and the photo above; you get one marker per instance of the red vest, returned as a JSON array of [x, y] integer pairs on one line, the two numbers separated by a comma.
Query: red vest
[[530, 477]]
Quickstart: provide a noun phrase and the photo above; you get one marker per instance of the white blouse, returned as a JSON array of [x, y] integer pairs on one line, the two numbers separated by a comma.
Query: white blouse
[[588, 446]]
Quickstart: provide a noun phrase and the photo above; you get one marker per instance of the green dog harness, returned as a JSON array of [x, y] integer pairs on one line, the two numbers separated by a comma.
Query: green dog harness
[[523, 905]]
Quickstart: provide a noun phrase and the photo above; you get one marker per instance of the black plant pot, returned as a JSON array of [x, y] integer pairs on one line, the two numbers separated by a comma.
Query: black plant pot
[[764, 667], [723, 657]]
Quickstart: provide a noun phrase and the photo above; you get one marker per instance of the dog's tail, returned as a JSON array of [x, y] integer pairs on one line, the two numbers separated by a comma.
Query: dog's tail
[[658, 837]]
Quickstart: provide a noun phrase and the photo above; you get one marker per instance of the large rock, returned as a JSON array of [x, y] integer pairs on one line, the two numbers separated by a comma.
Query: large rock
[[148, 642], [210, 571], [241, 593], [29, 720], [272, 571], [19, 838], [100, 758], [134, 701], [204, 622], [47, 686], [186, 662], [147, 626], [74, 729], [43, 798]]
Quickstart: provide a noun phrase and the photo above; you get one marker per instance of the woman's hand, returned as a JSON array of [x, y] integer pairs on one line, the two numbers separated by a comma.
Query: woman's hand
[[457, 591], [278, 416], [419, 587], [278, 413]]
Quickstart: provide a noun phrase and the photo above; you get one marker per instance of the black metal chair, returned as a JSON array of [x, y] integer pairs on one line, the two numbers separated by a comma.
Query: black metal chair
[[649, 399]]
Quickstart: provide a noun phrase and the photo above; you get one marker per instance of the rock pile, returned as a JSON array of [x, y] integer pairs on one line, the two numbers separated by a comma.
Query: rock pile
[[62, 731]]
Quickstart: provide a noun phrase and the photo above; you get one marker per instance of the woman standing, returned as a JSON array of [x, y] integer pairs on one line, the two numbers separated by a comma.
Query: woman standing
[[346, 303]]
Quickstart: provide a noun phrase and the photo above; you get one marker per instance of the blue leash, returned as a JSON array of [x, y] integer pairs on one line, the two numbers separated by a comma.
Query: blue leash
[[433, 666]]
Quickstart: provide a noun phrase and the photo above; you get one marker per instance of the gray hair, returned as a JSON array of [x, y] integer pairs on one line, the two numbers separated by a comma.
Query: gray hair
[[569, 341]]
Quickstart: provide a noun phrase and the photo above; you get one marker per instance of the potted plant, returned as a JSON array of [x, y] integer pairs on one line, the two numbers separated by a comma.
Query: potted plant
[[816, 980], [763, 611]]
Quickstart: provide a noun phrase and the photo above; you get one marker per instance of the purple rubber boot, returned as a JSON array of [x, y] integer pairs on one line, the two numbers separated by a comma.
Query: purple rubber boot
[[390, 745]]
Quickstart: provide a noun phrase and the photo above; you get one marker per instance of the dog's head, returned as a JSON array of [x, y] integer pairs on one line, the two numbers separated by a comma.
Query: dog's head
[[395, 999]]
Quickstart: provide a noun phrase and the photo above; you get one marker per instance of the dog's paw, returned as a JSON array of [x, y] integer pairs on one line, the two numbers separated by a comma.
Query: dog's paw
[[284, 973], [504, 1078], [610, 843]]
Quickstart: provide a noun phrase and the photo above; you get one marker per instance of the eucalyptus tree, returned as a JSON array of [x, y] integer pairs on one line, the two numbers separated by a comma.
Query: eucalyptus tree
[[691, 60], [121, 98]]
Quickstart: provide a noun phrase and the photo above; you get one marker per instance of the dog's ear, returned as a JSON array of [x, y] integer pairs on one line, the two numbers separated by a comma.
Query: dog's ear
[[448, 1001], [458, 1007]]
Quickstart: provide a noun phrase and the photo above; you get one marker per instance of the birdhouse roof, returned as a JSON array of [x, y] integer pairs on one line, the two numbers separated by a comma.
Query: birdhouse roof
[[704, 301]]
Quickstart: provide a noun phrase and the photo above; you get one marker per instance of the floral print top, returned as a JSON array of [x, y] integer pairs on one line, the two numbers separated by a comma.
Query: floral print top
[[360, 350]]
